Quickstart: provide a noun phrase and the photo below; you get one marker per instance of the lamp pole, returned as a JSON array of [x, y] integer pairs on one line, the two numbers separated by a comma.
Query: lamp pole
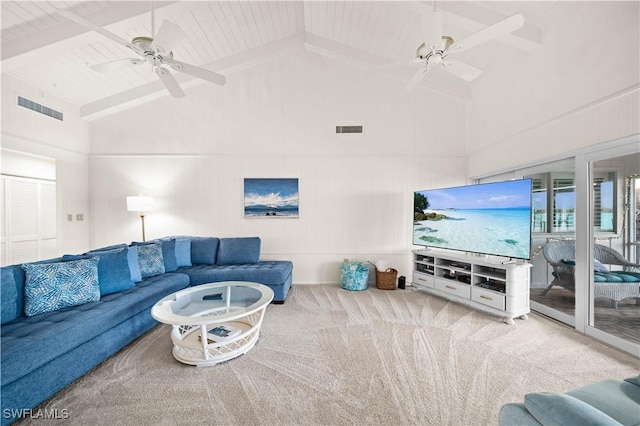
[[142, 220]]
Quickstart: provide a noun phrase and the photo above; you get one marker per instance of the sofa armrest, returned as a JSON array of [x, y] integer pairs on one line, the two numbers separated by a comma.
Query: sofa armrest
[[513, 414]]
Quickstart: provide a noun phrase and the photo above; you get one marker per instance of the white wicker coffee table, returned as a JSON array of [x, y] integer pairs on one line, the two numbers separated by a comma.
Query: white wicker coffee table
[[195, 311]]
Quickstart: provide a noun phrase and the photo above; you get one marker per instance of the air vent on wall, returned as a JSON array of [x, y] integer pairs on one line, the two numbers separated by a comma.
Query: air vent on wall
[[348, 129], [34, 106]]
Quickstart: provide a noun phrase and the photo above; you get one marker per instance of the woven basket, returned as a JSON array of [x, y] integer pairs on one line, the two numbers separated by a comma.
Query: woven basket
[[386, 280]]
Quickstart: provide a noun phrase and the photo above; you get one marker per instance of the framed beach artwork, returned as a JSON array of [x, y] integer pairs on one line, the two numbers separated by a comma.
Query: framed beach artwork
[[271, 198]]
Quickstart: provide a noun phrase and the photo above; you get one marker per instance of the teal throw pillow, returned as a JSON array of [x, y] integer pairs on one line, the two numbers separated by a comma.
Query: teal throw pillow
[[560, 409], [150, 260], [53, 286]]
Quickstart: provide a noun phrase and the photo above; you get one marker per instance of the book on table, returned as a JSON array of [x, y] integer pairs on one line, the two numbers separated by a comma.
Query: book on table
[[220, 333]]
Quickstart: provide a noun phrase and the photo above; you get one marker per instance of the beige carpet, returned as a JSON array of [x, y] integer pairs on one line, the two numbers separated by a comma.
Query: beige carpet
[[333, 357]]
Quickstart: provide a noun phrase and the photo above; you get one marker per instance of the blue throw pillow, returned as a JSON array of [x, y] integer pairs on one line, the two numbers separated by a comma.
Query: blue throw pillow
[[12, 293], [560, 409], [114, 274], [204, 250], [150, 260], [183, 252], [134, 266], [168, 252], [236, 251], [53, 286]]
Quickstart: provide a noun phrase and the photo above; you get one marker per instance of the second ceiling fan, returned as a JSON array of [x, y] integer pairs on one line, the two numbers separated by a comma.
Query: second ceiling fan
[[437, 48]]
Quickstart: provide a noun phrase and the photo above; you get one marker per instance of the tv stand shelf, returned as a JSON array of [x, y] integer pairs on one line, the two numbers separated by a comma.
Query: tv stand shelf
[[477, 281]]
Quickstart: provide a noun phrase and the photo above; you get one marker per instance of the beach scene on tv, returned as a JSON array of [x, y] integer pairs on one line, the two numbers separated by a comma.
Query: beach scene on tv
[[493, 218]]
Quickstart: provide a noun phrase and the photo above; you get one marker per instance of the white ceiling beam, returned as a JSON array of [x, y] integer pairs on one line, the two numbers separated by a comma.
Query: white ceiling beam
[[472, 17], [374, 63], [225, 66], [68, 35], [341, 52]]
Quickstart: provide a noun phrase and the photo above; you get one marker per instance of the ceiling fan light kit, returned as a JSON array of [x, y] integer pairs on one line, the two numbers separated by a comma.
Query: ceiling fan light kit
[[156, 51]]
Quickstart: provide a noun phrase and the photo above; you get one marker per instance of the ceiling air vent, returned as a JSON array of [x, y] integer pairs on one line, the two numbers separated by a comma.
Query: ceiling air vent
[[34, 106], [348, 129]]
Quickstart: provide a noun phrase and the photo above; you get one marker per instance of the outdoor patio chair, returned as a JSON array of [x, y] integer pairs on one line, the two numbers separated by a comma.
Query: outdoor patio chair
[[613, 285]]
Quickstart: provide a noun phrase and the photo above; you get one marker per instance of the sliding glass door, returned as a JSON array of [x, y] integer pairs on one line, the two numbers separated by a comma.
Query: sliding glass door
[[585, 235], [553, 238], [614, 291]]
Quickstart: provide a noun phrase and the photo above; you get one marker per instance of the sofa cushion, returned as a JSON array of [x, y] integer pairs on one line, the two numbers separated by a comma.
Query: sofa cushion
[[616, 277], [183, 252], [12, 293], [113, 269], [150, 260], [616, 398], [53, 286], [236, 251], [271, 272], [560, 409], [204, 250], [111, 247], [30, 342]]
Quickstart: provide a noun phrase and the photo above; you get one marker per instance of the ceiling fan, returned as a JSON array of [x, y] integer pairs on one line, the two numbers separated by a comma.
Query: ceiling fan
[[155, 51], [437, 47]]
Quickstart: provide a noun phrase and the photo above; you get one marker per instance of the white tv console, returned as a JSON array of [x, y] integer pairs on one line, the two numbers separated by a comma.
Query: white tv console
[[477, 281]]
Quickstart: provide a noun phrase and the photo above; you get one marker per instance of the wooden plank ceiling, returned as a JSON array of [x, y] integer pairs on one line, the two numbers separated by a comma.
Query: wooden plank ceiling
[[53, 54]]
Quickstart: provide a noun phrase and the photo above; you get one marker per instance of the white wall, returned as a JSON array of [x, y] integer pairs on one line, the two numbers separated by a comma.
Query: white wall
[[278, 120], [580, 89], [64, 141]]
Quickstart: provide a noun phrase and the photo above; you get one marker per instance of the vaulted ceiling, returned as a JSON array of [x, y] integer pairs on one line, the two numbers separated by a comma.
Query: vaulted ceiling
[[53, 54]]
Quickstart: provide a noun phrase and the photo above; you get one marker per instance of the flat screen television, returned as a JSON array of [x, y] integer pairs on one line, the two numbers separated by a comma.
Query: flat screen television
[[489, 218]]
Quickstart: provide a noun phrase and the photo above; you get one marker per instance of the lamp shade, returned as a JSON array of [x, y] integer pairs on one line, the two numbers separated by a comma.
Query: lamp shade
[[139, 203]]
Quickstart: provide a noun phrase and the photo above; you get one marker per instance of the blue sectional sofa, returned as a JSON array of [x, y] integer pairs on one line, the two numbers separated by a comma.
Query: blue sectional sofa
[[610, 402], [62, 317]]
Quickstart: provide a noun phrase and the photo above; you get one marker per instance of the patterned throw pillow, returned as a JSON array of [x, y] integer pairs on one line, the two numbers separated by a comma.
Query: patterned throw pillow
[[150, 260], [53, 286]]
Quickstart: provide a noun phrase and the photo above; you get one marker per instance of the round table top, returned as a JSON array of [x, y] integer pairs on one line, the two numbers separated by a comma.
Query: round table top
[[212, 303]]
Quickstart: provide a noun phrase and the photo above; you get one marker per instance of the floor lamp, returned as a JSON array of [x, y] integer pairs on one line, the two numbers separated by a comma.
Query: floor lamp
[[140, 204]]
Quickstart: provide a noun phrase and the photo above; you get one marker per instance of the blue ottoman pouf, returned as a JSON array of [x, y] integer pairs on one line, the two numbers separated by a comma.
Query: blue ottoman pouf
[[354, 276]]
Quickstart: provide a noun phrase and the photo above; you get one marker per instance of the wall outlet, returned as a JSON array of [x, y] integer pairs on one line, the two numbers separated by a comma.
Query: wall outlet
[[79, 217], [70, 217], [345, 260]]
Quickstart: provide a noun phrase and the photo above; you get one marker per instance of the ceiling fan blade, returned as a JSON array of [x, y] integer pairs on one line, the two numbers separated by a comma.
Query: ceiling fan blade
[[167, 38], [460, 69], [116, 65], [489, 33], [199, 72], [91, 26], [417, 77], [170, 82], [431, 24]]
